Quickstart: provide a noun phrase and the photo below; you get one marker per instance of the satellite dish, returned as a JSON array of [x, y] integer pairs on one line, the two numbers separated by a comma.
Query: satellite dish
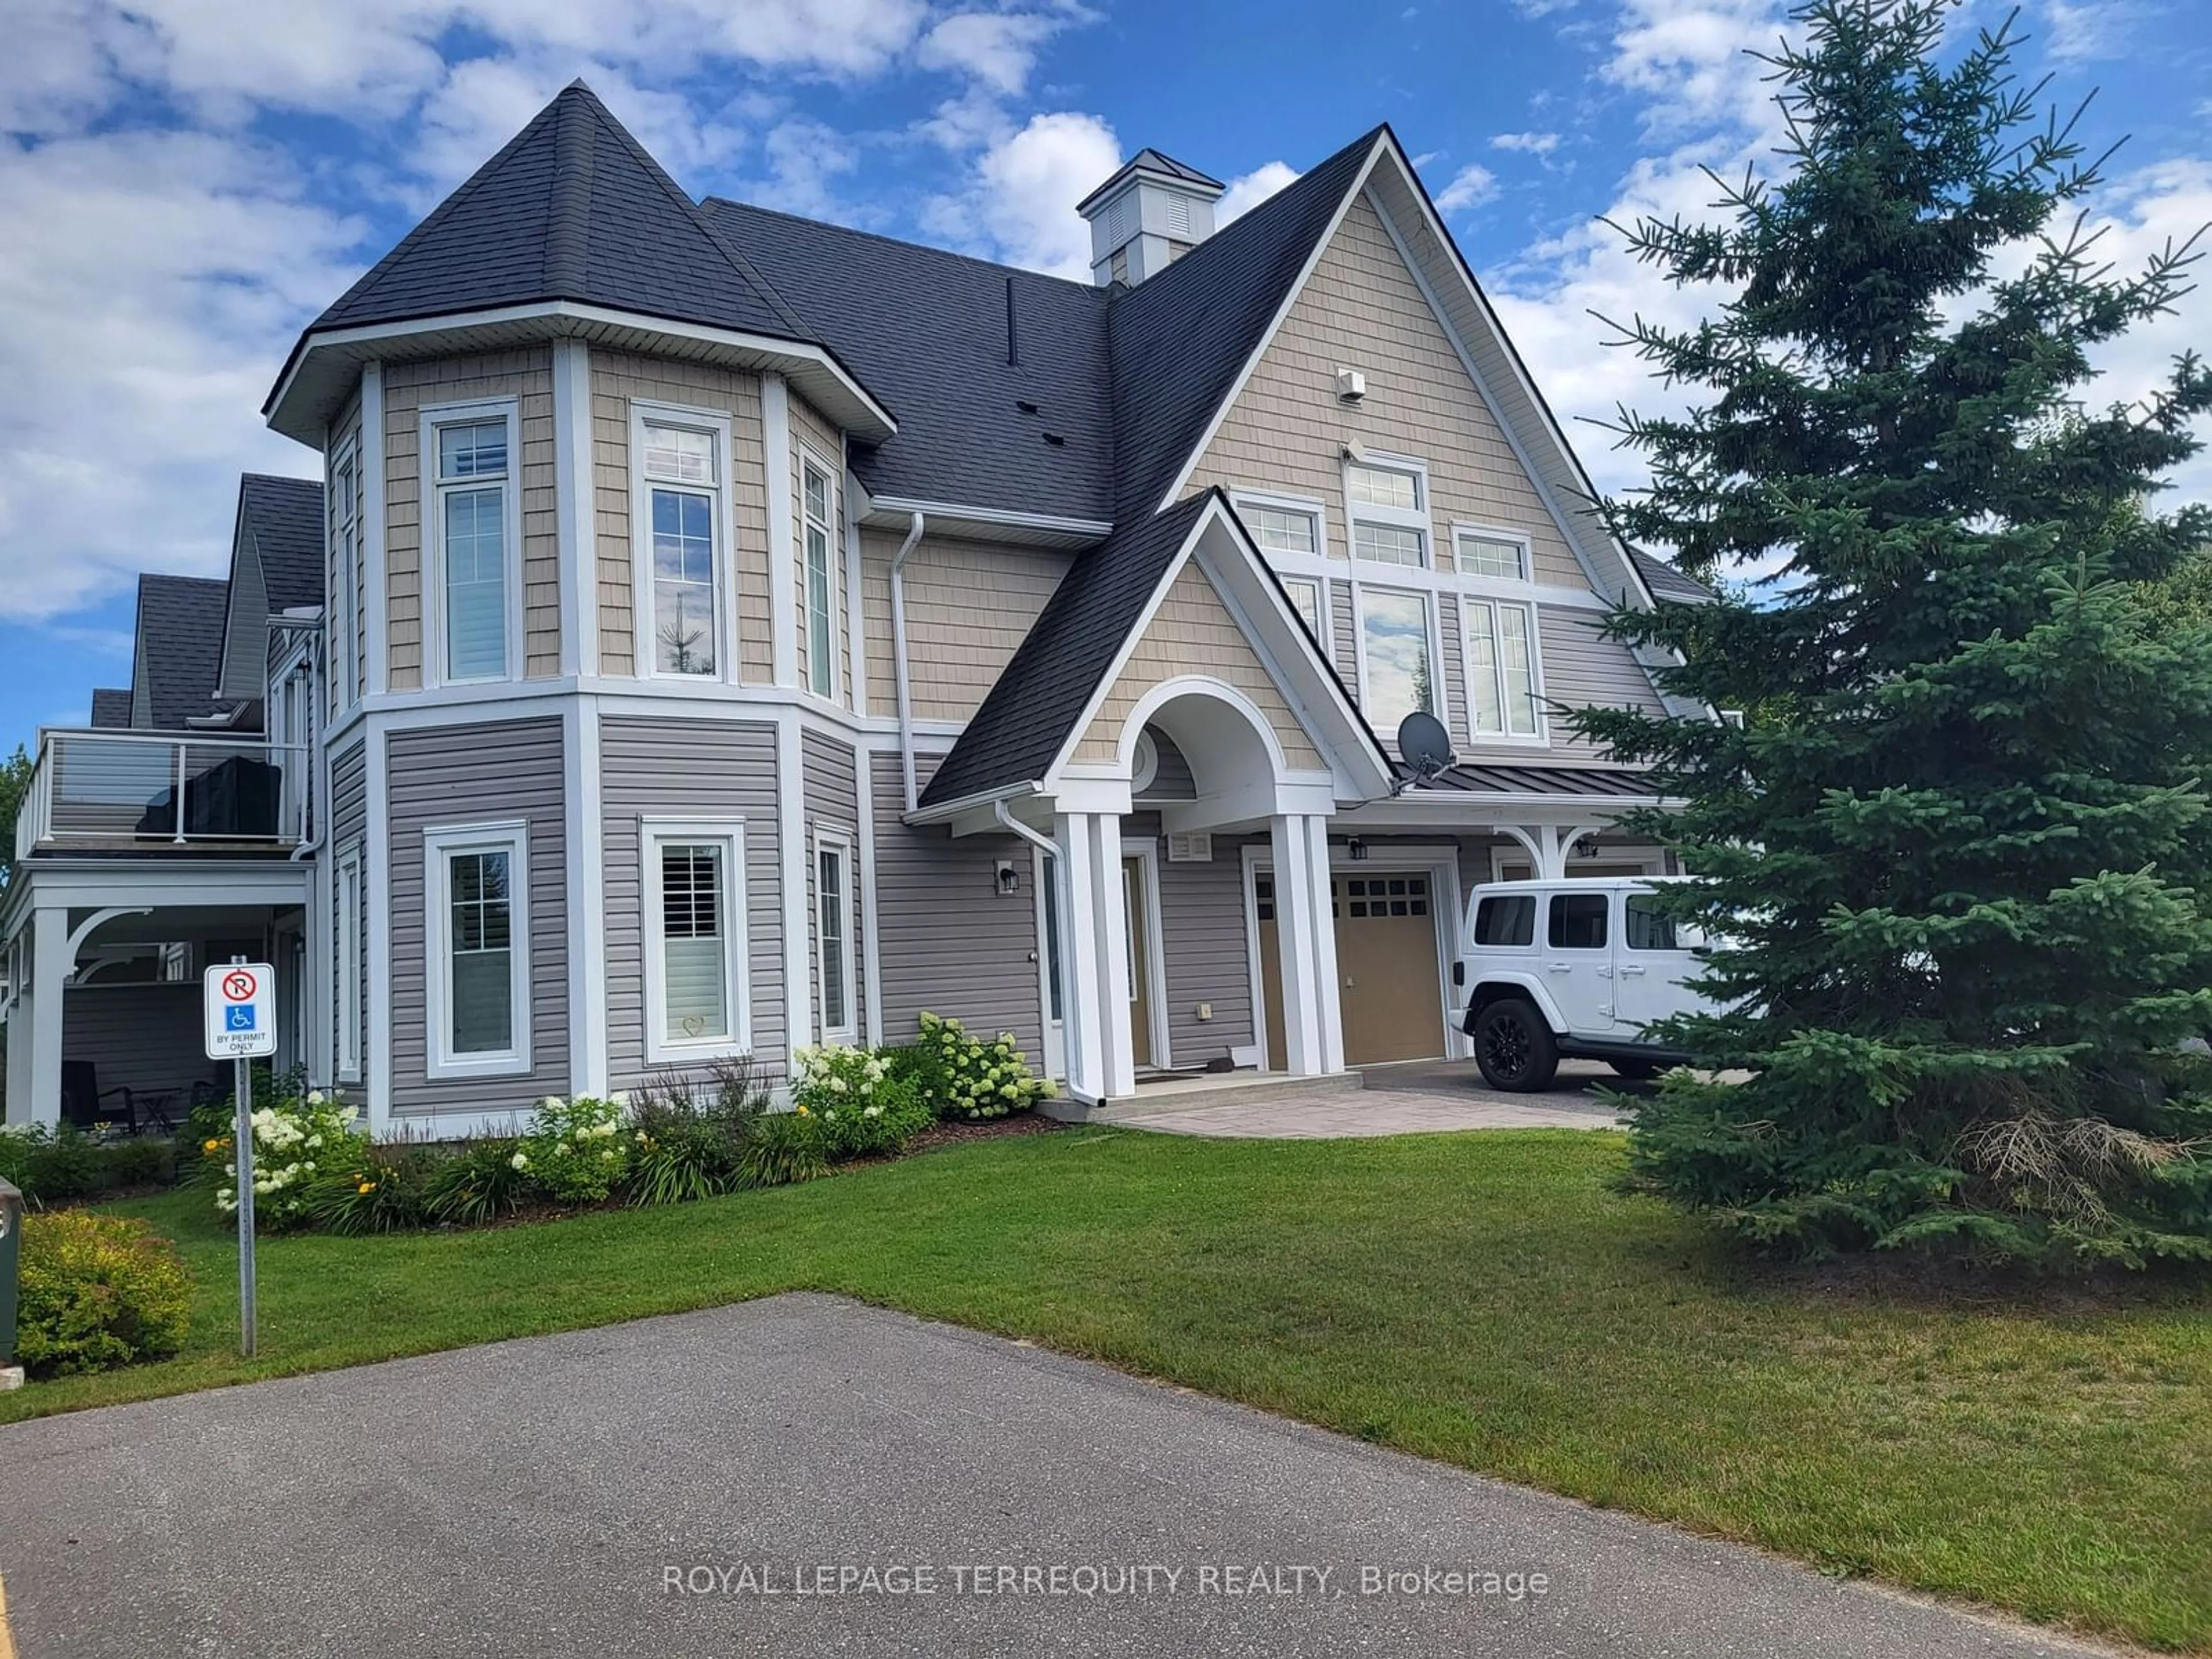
[[1424, 745]]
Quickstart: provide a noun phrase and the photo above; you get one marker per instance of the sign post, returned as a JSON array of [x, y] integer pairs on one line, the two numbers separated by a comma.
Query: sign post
[[241, 1027]]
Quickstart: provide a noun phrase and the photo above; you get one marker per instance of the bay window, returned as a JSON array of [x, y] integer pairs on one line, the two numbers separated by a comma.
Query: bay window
[[818, 521], [683, 488], [475, 549], [475, 889], [694, 973]]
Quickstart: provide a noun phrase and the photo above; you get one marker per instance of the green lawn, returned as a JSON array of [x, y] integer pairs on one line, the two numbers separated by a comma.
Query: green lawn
[[1479, 1298]]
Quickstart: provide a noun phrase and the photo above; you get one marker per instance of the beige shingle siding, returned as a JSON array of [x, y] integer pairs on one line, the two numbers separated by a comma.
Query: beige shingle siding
[[969, 606], [813, 434], [526, 375], [1194, 632], [618, 377], [1362, 309]]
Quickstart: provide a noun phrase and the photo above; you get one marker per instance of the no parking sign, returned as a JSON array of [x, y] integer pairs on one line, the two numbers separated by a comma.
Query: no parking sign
[[241, 1011]]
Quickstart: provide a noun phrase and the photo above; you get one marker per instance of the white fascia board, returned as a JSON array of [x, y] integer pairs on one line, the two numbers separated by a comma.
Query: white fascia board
[[943, 811], [830, 386], [953, 518]]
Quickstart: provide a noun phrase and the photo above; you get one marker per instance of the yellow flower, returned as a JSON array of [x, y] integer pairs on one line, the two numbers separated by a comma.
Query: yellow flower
[[803, 1112], [210, 1147], [368, 1187]]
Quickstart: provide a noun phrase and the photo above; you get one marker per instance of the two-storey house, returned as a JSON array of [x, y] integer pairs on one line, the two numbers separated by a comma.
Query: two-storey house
[[727, 632]]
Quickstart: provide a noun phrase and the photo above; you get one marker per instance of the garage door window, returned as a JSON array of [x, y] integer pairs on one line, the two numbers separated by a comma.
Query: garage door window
[[1578, 921], [1392, 896]]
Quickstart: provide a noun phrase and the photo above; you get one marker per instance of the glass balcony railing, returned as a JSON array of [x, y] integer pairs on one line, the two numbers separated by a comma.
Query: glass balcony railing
[[120, 789]]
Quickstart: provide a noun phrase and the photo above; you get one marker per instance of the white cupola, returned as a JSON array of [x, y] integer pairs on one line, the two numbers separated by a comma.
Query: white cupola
[[1146, 216]]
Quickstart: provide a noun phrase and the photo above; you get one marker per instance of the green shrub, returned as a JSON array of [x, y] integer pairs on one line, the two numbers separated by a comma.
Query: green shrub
[[968, 1077], [98, 1292], [480, 1183], [142, 1161], [781, 1148], [62, 1163], [861, 1106], [16, 1140], [575, 1150], [297, 1137], [385, 1189]]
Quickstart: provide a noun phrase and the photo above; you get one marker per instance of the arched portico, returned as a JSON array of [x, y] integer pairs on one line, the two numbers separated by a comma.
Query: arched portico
[[1246, 776]]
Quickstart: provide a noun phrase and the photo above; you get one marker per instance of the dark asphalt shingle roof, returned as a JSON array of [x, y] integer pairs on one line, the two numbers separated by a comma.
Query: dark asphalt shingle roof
[[1025, 720], [285, 517], [111, 705], [1664, 581], [927, 332], [1178, 342], [573, 207], [180, 626]]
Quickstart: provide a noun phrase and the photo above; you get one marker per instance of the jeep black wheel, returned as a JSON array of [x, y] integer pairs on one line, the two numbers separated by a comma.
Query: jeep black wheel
[[1514, 1046]]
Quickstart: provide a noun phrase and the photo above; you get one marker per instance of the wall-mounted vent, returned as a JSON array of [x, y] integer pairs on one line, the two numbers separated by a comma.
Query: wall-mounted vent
[[1195, 847]]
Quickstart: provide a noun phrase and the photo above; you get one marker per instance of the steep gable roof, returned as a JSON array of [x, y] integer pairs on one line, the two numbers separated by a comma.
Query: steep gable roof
[[180, 656], [1665, 582], [1178, 342], [573, 207], [285, 517], [111, 705], [957, 346]]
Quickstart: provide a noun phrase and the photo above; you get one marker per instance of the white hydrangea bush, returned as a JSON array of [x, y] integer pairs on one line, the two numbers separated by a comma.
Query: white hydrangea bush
[[974, 1076], [576, 1151], [295, 1138]]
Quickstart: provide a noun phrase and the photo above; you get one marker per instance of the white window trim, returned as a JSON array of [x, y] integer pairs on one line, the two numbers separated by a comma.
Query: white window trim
[[660, 1048], [1541, 737], [351, 910], [433, 536], [1432, 603], [716, 424], [511, 836], [807, 456], [1317, 567], [838, 841], [340, 617], [1416, 518], [1490, 532]]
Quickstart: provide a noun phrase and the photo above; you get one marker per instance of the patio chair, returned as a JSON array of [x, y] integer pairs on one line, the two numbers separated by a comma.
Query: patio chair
[[83, 1099]]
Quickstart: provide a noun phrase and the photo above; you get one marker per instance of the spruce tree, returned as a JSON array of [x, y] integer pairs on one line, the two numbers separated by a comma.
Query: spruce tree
[[1958, 842]]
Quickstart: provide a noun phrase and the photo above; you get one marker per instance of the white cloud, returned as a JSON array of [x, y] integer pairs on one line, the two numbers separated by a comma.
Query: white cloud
[[1528, 143], [999, 49], [2081, 31], [1470, 187], [1019, 201], [150, 284], [1254, 187], [805, 157], [1689, 59]]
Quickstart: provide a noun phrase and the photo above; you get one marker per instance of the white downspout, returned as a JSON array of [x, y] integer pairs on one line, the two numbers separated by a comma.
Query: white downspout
[[898, 658], [1036, 838]]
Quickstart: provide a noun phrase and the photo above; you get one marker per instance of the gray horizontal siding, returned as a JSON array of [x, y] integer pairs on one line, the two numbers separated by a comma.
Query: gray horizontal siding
[[350, 826], [453, 776], [1341, 626], [141, 1036], [949, 942], [833, 803], [1581, 668], [684, 767], [1204, 949], [1173, 779]]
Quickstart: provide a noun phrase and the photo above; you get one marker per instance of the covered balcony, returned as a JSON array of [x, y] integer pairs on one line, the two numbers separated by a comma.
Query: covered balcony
[[123, 791]]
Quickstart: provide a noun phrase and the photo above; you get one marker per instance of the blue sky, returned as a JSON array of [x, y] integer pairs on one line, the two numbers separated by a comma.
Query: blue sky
[[185, 183]]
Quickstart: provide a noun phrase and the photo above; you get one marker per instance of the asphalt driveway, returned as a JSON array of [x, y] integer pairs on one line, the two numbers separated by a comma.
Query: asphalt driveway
[[669, 1487]]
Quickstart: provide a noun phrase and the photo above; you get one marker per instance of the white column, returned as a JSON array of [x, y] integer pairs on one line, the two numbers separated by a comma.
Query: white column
[[1095, 1003], [41, 1034], [1328, 985], [1297, 938], [574, 517]]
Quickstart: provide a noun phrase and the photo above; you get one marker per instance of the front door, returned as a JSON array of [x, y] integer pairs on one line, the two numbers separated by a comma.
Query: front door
[[1133, 895]]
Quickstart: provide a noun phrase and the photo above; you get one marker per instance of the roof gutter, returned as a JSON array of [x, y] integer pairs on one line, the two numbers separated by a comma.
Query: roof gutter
[[915, 524], [1037, 839]]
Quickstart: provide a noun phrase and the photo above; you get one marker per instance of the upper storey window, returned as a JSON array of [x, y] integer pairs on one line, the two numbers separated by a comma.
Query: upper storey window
[[821, 571], [684, 486], [474, 551], [1389, 511]]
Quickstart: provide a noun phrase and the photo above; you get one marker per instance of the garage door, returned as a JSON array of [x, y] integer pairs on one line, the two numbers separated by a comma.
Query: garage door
[[1386, 964]]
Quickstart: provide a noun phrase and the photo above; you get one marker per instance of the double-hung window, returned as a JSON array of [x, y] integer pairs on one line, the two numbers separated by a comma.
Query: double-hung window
[[470, 457], [682, 471], [345, 552], [833, 935], [818, 520], [695, 1003], [1389, 507], [476, 884]]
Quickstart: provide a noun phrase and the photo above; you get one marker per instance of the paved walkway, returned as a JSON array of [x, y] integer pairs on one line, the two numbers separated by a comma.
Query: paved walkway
[[1419, 1097], [665, 1487]]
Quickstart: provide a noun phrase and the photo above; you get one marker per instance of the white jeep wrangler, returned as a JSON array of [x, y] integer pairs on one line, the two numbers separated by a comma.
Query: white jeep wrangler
[[1558, 968]]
